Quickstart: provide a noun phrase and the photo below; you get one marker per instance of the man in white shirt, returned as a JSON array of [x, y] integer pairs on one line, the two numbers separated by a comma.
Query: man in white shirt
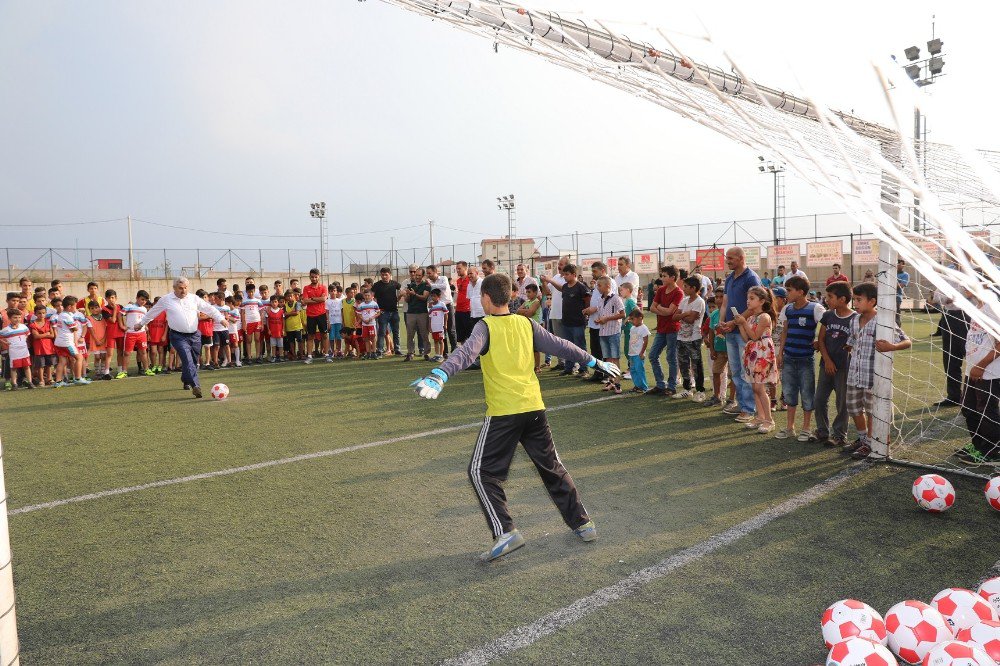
[[706, 283], [553, 287], [523, 280], [182, 311], [980, 404], [599, 269], [626, 274], [796, 271], [439, 281]]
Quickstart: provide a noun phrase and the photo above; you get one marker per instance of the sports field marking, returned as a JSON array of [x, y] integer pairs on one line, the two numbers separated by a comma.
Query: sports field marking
[[525, 635], [272, 463]]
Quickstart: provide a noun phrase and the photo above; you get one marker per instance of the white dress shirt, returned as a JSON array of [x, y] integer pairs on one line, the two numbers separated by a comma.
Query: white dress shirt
[[523, 285], [555, 312], [182, 313], [631, 277], [475, 294], [445, 287]]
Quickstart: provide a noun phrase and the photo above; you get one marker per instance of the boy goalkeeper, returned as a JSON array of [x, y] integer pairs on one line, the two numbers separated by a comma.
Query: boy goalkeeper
[[506, 345]]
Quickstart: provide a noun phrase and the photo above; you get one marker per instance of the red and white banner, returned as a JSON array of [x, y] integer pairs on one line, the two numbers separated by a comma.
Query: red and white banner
[[647, 262], [864, 252], [678, 258], [711, 258]]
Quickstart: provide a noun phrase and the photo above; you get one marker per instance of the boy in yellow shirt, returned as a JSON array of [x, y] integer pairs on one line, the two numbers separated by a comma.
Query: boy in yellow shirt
[[506, 345], [293, 326]]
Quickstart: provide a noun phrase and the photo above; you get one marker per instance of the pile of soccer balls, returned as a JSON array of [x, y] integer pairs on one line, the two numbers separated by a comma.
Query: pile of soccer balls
[[934, 493], [958, 628]]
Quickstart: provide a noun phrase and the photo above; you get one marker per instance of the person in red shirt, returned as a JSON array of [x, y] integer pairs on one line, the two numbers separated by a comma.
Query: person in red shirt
[[665, 303], [837, 276], [463, 306], [156, 331], [276, 326], [116, 331], [314, 297], [43, 348]]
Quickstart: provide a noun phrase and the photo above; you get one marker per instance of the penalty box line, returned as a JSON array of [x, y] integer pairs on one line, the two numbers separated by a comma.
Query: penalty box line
[[272, 463], [526, 635]]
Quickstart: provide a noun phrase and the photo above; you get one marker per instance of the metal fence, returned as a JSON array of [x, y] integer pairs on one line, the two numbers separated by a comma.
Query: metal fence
[[76, 264]]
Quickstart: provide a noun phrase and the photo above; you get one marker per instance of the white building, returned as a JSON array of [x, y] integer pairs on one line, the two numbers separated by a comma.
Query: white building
[[507, 253]]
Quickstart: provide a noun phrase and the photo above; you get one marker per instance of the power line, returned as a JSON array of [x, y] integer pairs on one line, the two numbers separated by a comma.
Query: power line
[[63, 224], [230, 233]]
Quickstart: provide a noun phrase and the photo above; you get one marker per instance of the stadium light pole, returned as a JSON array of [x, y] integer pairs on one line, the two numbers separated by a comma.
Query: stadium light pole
[[318, 210], [778, 170], [507, 203], [923, 72]]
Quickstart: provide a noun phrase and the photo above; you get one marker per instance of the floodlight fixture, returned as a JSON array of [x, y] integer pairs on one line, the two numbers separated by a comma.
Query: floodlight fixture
[[913, 71], [760, 157], [762, 169], [934, 46], [935, 65], [912, 53]]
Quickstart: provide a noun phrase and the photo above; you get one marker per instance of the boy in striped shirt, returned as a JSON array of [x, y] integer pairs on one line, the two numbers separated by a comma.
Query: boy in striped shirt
[[137, 341], [795, 356], [14, 340], [609, 315]]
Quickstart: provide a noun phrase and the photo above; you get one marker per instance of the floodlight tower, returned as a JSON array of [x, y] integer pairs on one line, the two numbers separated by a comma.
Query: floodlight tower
[[778, 170], [923, 72], [318, 210], [507, 203]]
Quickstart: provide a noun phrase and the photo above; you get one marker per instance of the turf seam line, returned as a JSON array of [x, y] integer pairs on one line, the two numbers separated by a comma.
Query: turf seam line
[[992, 573], [525, 635], [271, 463]]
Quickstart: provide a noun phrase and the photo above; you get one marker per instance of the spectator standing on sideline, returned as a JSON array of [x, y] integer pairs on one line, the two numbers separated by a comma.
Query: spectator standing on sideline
[[796, 271], [439, 281], [869, 277], [765, 280], [706, 282], [387, 296], [463, 307], [523, 280], [837, 276], [598, 269], [314, 297], [417, 321], [954, 327], [902, 282], [627, 275], [575, 297], [779, 278], [665, 303], [738, 284], [553, 287]]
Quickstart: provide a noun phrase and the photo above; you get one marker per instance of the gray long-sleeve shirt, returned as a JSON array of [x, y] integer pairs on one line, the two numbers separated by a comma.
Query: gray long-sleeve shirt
[[479, 343]]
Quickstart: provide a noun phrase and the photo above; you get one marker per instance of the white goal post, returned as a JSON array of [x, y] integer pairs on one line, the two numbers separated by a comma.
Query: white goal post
[[9, 650]]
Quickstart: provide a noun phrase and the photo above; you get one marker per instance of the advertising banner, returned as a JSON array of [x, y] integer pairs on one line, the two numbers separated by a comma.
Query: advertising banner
[[825, 253]]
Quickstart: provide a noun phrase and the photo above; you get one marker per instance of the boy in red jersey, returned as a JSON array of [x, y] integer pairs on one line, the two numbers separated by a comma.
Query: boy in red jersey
[[111, 312], [156, 332], [276, 327], [97, 339], [43, 346]]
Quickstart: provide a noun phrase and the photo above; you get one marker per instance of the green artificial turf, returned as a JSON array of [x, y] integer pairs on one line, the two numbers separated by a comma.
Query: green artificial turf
[[370, 556]]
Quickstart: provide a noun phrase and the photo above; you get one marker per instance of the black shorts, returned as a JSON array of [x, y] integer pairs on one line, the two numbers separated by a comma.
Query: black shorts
[[293, 336], [318, 324], [220, 338], [44, 360], [206, 340], [346, 332]]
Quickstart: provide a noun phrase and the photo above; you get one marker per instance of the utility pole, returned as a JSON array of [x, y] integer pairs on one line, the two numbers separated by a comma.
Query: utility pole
[[131, 257], [392, 256], [778, 219], [430, 231]]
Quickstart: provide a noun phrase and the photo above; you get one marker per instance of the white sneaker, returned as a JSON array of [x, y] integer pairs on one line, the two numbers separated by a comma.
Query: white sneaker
[[309, 359], [627, 375], [239, 364], [683, 393], [698, 396]]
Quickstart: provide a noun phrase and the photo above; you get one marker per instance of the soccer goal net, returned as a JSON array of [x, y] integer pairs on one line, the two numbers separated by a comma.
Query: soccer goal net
[[913, 197]]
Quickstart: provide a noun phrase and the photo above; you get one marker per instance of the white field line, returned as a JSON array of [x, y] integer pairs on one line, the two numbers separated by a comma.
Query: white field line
[[525, 635], [270, 463]]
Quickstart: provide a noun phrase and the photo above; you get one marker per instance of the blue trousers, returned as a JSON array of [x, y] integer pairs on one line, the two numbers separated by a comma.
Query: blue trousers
[[386, 321], [188, 348], [577, 335], [663, 341], [744, 389], [637, 369]]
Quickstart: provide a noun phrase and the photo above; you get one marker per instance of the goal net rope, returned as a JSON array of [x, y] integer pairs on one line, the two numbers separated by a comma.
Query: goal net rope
[[908, 194]]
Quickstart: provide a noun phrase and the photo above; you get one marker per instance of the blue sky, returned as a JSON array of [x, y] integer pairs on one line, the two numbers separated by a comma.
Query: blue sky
[[233, 116]]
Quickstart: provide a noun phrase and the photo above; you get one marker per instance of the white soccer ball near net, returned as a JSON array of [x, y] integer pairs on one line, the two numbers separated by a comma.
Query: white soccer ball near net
[[933, 493], [860, 652], [992, 492], [220, 391]]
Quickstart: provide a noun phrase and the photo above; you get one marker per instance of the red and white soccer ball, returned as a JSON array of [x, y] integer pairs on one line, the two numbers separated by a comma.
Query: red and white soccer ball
[[933, 493], [985, 636], [849, 618], [220, 391], [957, 653], [993, 492], [990, 590], [962, 608], [914, 628], [859, 652]]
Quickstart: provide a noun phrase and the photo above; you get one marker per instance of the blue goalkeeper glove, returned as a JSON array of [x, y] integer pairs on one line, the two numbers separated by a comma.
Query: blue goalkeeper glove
[[610, 369], [430, 387]]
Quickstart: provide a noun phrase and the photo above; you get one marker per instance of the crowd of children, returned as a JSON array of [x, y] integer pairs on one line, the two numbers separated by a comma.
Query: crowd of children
[[48, 339]]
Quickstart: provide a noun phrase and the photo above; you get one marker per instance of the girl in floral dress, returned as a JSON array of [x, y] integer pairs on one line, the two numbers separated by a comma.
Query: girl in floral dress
[[759, 365]]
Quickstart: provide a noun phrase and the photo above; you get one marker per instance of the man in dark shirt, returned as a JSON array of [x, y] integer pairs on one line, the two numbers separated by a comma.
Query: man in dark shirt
[[417, 322], [386, 292], [576, 297]]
